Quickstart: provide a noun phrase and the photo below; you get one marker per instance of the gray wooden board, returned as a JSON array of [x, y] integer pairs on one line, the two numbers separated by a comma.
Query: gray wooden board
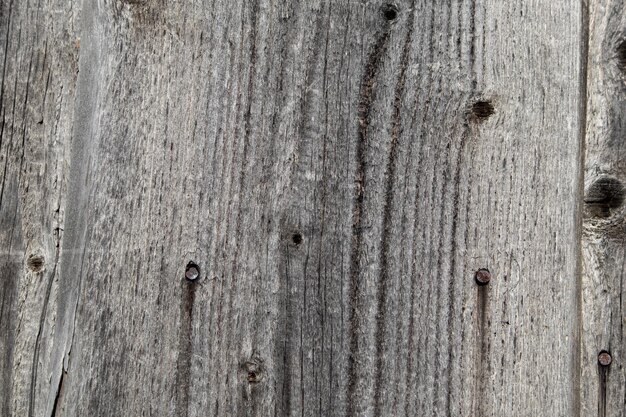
[[338, 171], [603, 291]]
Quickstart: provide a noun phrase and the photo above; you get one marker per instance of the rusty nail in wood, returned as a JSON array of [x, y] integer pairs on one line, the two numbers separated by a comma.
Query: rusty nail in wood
[[482, 276], [192, 272], [604, 358]]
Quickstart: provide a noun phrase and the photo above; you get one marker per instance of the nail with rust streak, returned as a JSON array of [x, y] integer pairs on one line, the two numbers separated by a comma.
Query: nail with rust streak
[[482, 276], [192, 272], [604, 358]]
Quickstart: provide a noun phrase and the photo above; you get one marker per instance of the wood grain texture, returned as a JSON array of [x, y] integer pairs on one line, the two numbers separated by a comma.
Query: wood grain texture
[[338, 171], [604, 257], [37, 99]]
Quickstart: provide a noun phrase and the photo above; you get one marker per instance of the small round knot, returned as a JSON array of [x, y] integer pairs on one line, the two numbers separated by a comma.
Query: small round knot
[[605, 194], [482, 110], [253, 371], [36, 262]]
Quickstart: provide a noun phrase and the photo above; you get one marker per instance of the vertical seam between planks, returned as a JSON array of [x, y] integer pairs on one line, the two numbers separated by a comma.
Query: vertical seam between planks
[[582, 116]]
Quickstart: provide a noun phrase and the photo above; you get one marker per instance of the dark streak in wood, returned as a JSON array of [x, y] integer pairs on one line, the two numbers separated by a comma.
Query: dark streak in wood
[[388, 211], [286, 321], [366, 97], [482, 348], [453, 263], [621, 55], [603, 373], [472, 51], [8, 312], [185, 348]]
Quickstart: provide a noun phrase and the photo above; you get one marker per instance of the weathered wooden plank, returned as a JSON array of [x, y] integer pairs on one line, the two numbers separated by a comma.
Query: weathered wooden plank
[[604, 315], [338, 171], [39, 58]]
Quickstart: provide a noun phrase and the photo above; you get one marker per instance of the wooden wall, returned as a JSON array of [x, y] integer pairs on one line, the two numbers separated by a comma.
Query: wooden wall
[[280, 208]]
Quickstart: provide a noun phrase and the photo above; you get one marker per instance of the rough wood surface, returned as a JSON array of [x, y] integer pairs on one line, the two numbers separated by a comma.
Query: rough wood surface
[[338, 172], [604, 229]]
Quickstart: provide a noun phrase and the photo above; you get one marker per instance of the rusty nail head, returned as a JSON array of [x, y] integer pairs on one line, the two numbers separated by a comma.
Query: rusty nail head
[[482, 276], [604, 358]]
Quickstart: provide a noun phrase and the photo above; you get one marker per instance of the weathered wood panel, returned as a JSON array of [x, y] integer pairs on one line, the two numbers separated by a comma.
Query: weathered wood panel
[[338, 172], [39, 60], [604, 256]]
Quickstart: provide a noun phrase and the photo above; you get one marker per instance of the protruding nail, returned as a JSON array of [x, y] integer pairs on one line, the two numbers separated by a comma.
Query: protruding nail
[[604, 358], [482, 276], [192, 272]]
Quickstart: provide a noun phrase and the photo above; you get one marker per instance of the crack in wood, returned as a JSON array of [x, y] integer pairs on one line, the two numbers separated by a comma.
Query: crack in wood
[[42, 318], [59, 395]]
